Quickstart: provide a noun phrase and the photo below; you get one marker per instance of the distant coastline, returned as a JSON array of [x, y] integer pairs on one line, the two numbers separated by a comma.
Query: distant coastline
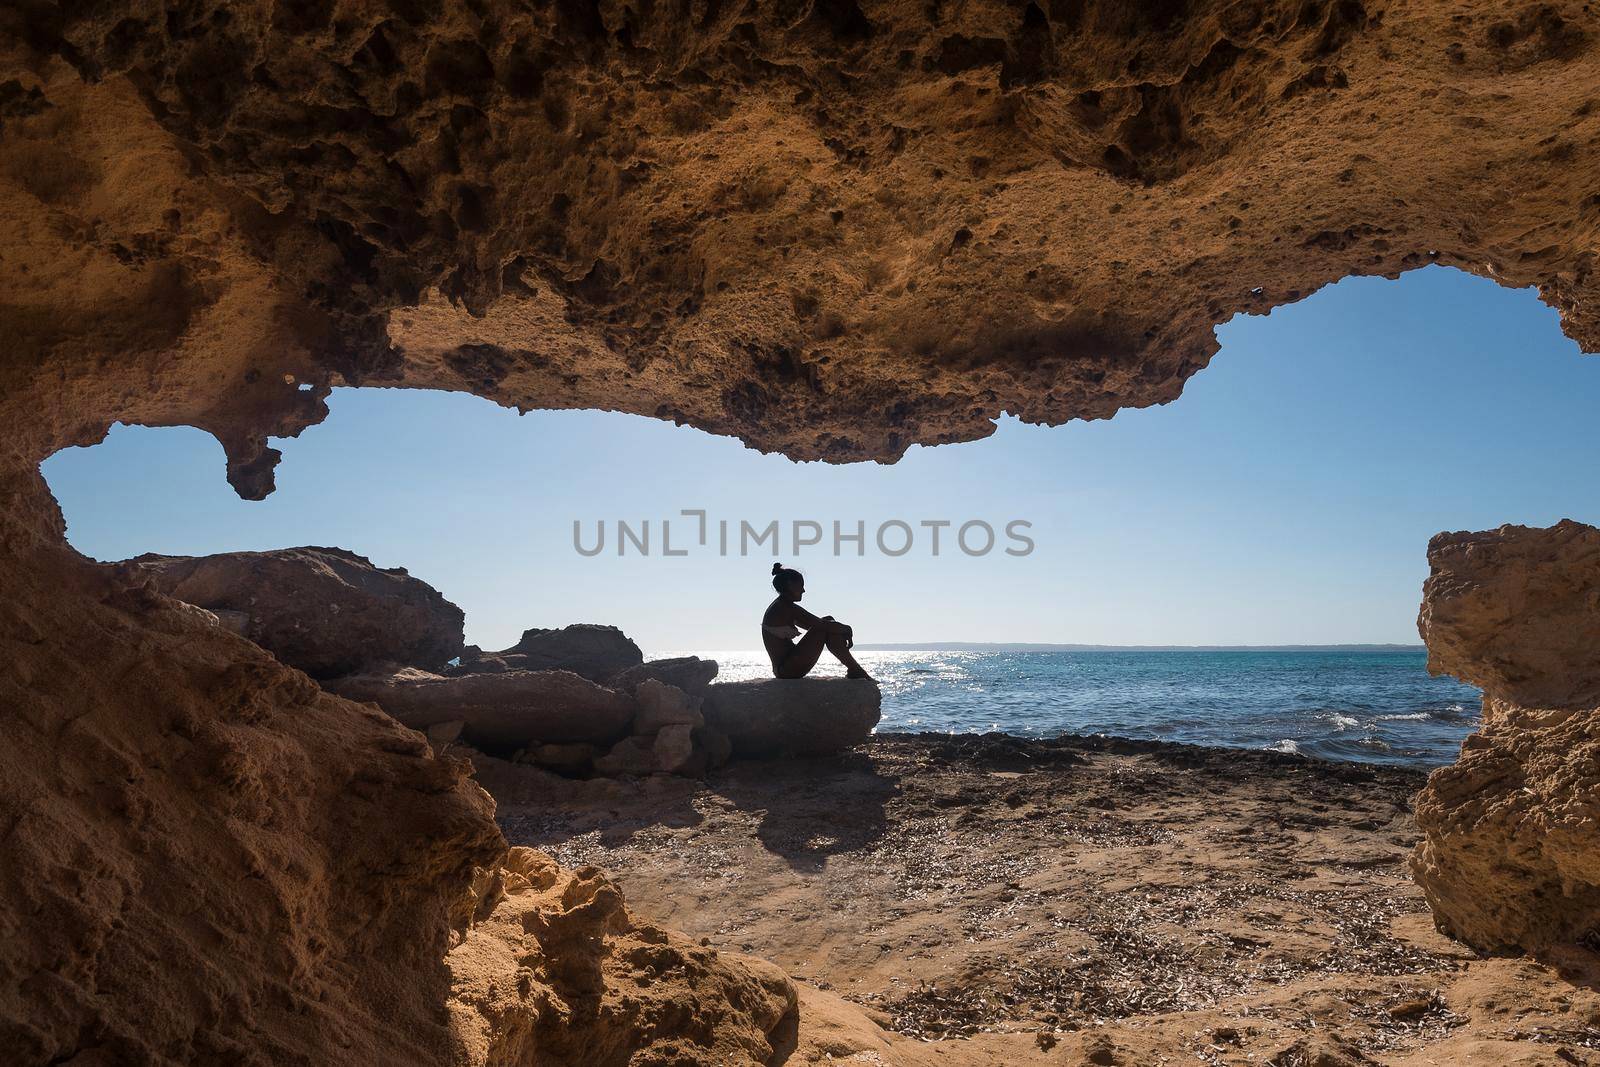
[[981, 646]]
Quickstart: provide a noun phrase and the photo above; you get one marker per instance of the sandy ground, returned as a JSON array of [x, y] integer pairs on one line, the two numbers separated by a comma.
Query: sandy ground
[[990, 900]]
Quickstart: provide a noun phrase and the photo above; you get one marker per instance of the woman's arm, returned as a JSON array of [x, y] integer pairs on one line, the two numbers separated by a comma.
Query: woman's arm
[[807, 621]]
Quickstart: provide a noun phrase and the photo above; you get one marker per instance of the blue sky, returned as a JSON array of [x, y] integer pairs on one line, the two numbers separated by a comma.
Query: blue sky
[[1287, 497]]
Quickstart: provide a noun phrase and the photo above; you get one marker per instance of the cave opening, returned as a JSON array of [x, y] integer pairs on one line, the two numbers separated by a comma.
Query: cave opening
[[309, 823], [1284, 501], [1002, 878]]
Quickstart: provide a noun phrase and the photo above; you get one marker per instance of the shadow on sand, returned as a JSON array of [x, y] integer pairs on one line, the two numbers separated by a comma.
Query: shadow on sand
[[811, 809], [808, 809]]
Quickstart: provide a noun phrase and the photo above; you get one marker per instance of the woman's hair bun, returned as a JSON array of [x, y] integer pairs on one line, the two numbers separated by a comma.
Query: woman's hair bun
[[783, 577]]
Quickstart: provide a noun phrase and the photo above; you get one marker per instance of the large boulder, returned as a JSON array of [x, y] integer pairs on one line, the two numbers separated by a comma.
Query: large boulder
[[1517, 612], [326, 611], [678, 748], [664, 705], [793, 716], [596, 652], [1510, 856], [669, 735], [631, 755], [688, 673], [500, 712]]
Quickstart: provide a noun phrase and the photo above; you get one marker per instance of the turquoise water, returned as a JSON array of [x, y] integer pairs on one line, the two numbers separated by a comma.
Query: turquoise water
[[1372, 706]]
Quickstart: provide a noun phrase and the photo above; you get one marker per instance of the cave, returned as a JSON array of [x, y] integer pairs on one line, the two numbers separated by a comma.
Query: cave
[[832, 231]]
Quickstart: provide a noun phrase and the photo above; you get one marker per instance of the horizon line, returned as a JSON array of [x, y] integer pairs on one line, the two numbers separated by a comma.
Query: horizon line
[[1025, 646], [1051, 646]]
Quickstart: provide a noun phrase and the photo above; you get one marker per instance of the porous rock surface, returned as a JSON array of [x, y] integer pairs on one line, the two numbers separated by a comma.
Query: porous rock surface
[[1516, 611], [833, 229], [593, 984], [1511, 852], [208, 859], [500, 712], [326, 611], [205, 858], [794, 716]]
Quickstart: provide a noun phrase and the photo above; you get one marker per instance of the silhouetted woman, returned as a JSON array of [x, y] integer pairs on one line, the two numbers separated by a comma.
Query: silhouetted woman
[[784, 620]]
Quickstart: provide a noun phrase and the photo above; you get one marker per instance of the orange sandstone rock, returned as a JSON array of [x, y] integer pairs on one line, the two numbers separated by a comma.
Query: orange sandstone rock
[[1511, 856], [550, 967], [831, 229]]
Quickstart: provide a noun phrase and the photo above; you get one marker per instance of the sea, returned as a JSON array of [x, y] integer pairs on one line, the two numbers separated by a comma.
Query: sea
[[1372, 706]]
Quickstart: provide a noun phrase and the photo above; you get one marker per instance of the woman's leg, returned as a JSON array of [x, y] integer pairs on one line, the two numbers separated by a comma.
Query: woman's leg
[[804, 655], [841, 652]]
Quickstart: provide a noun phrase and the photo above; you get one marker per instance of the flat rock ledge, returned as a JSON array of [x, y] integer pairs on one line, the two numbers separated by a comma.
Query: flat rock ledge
[[774, 717], [498, 713], [565, 723]]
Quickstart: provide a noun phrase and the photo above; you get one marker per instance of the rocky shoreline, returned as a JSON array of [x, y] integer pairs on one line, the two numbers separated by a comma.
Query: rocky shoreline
[[976, 898], [1120, 901], [714, 872], [578, 700]]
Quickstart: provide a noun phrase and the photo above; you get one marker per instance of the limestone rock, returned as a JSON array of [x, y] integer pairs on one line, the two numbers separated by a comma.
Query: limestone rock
[[1517, 612], [796, 717], [715, 744], [473, 660], [184, 812], [669, 735], [1510, 856], [549, 968], [631, 755], [502, 712], [664, 705], [325, 611], [677, 748], [794, 190], [688, 673], [595, 652], [674, 750], [180, 803]]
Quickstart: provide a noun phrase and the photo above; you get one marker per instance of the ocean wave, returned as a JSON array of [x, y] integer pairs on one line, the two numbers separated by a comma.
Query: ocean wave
[[1458, 713], [1343, 722], [1286, 745]]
